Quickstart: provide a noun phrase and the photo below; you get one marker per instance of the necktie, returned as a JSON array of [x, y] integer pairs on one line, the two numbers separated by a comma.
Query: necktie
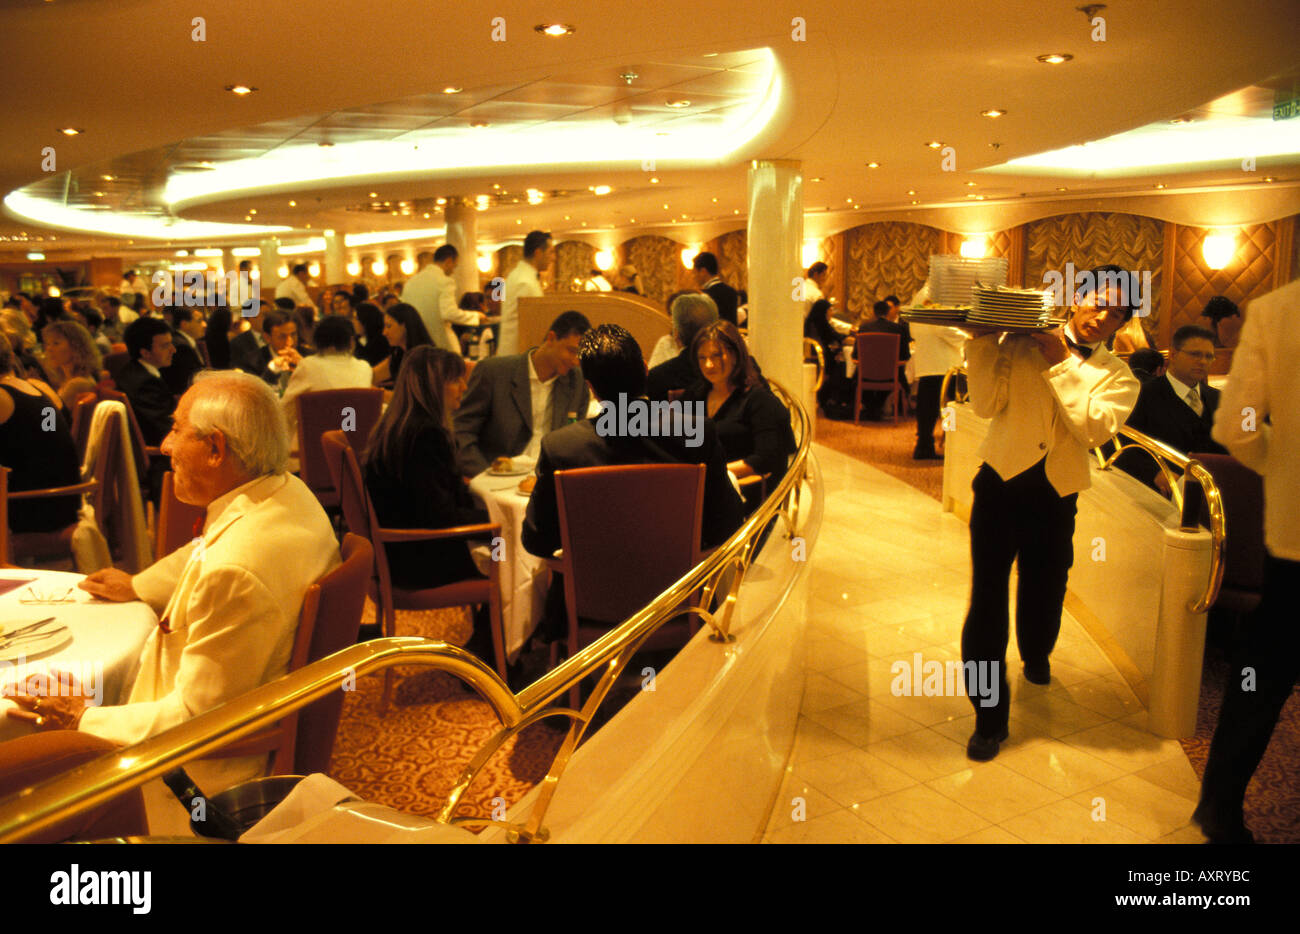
[[1082, 351], [1194, 400]]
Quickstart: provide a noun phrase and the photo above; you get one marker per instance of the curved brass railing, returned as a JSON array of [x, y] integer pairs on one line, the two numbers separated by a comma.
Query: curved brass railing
[[718, 578], [1188, 506]]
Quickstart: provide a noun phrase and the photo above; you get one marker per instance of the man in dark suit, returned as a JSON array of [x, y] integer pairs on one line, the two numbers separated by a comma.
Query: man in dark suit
[[149, 343], [270, 353], [188, 326], [1177, 408], [513, 400], [612, 363], [880, 324], [723, 295], [691, 313]]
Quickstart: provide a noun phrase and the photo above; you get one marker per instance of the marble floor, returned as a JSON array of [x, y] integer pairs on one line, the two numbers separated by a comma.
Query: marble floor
[[890, 578]]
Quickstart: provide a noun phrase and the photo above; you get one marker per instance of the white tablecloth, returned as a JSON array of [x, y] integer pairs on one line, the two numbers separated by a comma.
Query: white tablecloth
[[105, 647], [524, 578]]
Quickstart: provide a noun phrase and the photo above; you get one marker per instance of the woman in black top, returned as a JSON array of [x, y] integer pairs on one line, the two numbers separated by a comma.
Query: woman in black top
[[217, 337], [411, 473], [372, 346], [404, 331], [753, 426], [835, 393], [36, 456]]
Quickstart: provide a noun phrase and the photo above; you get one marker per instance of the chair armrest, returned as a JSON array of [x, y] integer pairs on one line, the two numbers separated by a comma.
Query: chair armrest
[[456, 531], [753, 479], [88, 487]]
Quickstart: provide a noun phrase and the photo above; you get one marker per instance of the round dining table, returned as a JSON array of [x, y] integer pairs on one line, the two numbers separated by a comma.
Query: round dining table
[[524, 577], [99, 647]]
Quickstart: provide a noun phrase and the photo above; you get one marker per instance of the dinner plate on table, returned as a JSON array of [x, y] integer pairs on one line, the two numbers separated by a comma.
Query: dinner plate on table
[[518, 469], [47, 639]]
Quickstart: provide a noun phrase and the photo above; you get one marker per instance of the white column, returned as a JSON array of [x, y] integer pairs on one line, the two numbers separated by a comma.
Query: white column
[[268, 265], [462, 233], [775, 237], [336, 263]]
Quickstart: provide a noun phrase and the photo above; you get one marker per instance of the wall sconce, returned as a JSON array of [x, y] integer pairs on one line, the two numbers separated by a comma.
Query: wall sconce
[[604, 259], [810, 253], [283, 272], [484, 263], [378, 267], [974, 247], [354, 268], [1218, 249], [407, 266], [688, 256], [313, 270]]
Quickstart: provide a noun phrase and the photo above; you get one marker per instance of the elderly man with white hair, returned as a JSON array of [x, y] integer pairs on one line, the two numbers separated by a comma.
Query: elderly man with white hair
[[228, 602]]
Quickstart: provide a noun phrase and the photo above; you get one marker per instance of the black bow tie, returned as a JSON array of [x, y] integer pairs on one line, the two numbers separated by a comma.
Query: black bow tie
[[1080, 349]]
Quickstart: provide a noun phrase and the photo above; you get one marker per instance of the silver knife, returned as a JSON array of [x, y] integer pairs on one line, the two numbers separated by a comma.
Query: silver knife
[[28, 628], [31, 637]]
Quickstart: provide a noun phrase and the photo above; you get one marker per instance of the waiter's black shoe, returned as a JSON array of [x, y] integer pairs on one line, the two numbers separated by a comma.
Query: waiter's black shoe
[[1219, 830], [983, 748], [1038, 672]]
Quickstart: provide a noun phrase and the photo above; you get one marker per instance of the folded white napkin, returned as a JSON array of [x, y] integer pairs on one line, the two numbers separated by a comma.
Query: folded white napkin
[[313, 795]]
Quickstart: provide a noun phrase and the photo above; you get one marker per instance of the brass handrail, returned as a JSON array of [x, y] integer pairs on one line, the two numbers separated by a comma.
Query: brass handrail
[[811, 347], [718, 576], [1188, 506]]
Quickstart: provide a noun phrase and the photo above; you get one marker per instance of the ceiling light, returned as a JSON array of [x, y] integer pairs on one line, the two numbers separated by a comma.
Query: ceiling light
[[916, 202], [373, 194], [654, 181], [602, 189], [324, 144], [994, 113], [934, 144], [478, 124], [36, 257], [1062, 189], [873, 165], [555, 30], [974, 247], [206, 164], [1180, 120], [688, 256], [378, 267], [678, 104], [815, 178], [99, 194], [484, 263], [293, 204], [1269, 178], [426, 215], [69, 131], [252, 210], [243, 90], [182, 252], [1055, 58], [247, 218], [970, 184], [911, 191], [1160, 184], [440, 201], [313, 270], [283, 272], [452, 90], [604, 259], [108, 178]]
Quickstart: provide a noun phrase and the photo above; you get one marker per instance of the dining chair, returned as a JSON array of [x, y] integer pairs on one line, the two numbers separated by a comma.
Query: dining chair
[[355, 412], [877, 370], [1245, 554], [176, 521], [649, 518], [303, 741], [359, 513]]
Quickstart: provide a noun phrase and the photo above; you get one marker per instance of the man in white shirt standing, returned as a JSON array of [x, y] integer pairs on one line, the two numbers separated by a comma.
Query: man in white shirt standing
[[524, 281], [1051, 396], [295, 287], [1259, 422], [432, 292]]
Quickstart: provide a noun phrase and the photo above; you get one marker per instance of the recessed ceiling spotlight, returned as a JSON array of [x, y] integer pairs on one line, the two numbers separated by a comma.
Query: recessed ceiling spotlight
[[1055, 58], [916, 202], [654, 181], [848, 200], [426, 215], [496, 185], [440, 201], [243, 90], [970, 184], [678, 104], [994, 113], [934, 144], [478, 124], [325, 144], [247, 218], [602, 189], [69, 130], [99, 194], [452, 90], [555, 30], [715, 200], [252, 210], [873, 165], [1160, 184], [1269, 178], [108, 178], [911, 191], [373, 194], [293, 204], [1062, 189], [815, 178], [972, 196]]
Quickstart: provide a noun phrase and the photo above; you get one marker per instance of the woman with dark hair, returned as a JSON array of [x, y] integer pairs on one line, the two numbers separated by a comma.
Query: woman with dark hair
[[1220, 309], [411, 473], [753, 426], [217, 337], [833, 396], [404, 331], [71, 359], [49, 310], [36, 457], [368, 322]]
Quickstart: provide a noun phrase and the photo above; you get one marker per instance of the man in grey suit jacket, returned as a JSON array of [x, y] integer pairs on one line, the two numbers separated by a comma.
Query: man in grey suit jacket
[[513, 400]]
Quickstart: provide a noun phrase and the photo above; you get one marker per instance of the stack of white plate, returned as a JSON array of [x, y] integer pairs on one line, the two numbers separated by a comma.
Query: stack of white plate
[[1016, 308], [952, 278], [933, 314]]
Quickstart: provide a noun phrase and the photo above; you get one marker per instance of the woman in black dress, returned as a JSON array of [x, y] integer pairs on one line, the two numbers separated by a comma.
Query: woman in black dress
[[217, 337], [753, 426], [372, 346], [411, 474], [404, 331], [835, 395], [36, 445]]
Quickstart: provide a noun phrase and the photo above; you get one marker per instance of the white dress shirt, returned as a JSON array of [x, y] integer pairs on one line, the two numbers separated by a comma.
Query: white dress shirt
[[523, 282], [322, 371], [540, 391], [1058, 412], [1264, 381], [432, 293], [293, 288]]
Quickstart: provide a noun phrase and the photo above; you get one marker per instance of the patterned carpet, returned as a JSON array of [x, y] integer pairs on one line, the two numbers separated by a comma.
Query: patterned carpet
[[1273, 798]]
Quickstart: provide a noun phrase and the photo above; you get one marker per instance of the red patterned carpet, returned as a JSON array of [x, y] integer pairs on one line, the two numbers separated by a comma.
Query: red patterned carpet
[[1273, 798]]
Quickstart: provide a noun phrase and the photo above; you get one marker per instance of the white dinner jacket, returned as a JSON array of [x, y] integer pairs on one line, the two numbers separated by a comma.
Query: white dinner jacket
[[523, 282], [1058, 412]]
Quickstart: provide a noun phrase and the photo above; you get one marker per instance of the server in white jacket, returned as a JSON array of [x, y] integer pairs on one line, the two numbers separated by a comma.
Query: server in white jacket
[[228, 602], [935, 351], [1051, 397], [524, 281], [1258, 420]]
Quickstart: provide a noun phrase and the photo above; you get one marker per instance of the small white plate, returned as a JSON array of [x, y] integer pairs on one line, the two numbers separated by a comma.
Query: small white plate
[[43, 641]]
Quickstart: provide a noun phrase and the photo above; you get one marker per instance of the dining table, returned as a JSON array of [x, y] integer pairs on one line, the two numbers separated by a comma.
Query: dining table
[[96, 642], [524, 577]]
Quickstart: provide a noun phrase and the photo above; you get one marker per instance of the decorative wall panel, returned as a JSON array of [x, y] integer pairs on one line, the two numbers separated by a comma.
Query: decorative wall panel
[[659, 261], [892, 257], [506, 259], [574, 262], [732, 251], [1130, 241], [1248, 275]]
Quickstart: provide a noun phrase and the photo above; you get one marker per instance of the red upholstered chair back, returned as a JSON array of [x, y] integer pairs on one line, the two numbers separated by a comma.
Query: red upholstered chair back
[[331, 617], [115, 362], [1243, 507], [358, 513], [175, 522], [878, 357], [627, 534], [354, 412]]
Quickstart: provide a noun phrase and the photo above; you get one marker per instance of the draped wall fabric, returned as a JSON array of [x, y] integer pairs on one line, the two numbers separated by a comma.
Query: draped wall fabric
[[890, 257], [1131, 241], [659, 261], [574, 261], [732, 251]]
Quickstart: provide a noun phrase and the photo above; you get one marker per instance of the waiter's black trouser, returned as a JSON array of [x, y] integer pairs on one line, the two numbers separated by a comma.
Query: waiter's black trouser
[[1265, 664], [1025, 520]]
